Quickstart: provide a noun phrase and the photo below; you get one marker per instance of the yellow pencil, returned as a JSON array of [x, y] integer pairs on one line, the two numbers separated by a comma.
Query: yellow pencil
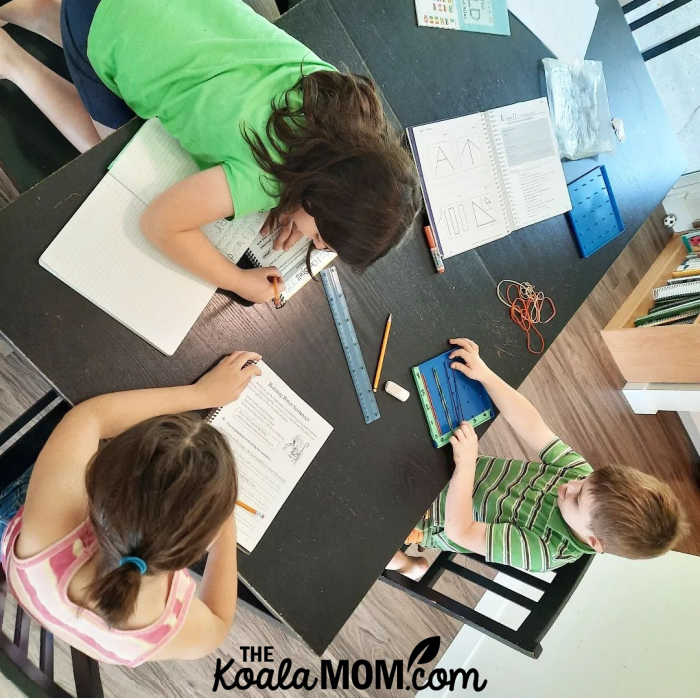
[[250, 509], [277, 296], [380, 362]]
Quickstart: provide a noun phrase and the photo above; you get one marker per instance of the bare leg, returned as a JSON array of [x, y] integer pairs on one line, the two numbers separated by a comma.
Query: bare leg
[[53, 95], [102, 131], [38, 16], [412, 567]]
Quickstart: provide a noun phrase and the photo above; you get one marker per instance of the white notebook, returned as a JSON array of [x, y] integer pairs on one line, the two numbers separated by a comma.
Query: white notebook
[[102, 254], [487, 174], [274, 436]]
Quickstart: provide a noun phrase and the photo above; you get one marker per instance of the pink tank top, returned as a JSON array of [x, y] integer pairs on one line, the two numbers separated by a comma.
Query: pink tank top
[[40, 585]]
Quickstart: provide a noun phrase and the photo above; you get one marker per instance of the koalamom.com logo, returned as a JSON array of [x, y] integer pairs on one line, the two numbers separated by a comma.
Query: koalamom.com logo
[[360, 674]]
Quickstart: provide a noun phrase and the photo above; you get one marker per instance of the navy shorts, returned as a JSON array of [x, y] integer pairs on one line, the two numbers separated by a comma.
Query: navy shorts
[[102, 104]]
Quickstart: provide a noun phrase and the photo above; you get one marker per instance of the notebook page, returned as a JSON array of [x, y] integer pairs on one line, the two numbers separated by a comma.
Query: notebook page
[[274, 436], [153, 161], [290, 263], [461, 191], [529, 162], [232, 238], [102, 254]]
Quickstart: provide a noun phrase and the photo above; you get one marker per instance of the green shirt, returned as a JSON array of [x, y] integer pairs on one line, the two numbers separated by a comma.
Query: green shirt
[[518, 500], [204, 67]]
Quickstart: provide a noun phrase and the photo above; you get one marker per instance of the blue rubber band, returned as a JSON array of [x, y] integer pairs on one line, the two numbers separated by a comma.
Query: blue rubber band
[[139, 563]]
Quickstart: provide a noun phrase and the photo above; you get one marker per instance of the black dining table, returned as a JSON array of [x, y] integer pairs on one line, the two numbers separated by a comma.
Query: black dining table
[[368, 484]]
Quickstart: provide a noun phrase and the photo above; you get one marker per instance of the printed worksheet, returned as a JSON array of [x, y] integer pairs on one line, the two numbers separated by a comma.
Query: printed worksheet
[[291, 263], [529, 162], [274, 435], [459, 182]]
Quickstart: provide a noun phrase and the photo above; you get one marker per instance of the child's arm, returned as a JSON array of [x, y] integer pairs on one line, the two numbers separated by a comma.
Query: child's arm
[[172, 222], [56, 498], [210, 618], [460, 525], [522, 416]]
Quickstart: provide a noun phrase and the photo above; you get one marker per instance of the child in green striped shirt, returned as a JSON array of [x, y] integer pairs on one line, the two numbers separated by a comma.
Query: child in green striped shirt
[[538, 514]]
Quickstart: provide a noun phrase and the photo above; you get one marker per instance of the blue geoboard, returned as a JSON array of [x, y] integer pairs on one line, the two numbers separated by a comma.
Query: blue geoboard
[[595, 219], [448, 398]]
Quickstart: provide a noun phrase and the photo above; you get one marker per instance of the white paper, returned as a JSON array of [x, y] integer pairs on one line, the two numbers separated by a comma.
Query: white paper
[[291, 263], [102, 254], [152, 162], [274, 436], [531, 170], [565, 27], [460, 183]]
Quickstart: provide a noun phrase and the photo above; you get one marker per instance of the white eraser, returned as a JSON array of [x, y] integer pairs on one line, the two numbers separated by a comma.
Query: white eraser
[[398, 392]]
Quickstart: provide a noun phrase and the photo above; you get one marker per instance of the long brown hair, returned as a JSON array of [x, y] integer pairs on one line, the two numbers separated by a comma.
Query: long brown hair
[[158, 491], [334, 154]]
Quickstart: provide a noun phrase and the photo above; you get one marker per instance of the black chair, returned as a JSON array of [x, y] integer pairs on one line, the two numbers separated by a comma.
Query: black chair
[[20, 444], [543, 612]]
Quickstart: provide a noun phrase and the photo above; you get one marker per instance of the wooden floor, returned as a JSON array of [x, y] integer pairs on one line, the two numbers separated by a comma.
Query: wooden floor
[[576, 386]]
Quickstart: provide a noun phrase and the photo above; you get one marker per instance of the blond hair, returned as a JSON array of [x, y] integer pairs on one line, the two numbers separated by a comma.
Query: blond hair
[[634, 514]]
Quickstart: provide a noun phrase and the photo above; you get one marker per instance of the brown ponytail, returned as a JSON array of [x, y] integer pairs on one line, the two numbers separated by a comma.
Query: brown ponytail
[[334, 154], [158, 491]]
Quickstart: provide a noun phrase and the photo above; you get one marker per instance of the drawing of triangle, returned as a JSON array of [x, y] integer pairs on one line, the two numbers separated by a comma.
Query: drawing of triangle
[[483, 218]]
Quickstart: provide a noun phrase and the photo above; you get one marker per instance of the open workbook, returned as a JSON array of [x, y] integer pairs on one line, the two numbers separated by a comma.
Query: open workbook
[[102, 254], [486, 174], [274, 436]]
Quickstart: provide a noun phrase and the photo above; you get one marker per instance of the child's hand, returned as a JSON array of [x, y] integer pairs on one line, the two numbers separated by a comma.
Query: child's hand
[[472, 365], [225, 382], [465, 445], [283, 229], [256, 284]]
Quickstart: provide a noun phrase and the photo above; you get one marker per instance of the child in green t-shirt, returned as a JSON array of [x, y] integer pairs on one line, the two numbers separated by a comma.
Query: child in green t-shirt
[[270, 124], [538, 514]]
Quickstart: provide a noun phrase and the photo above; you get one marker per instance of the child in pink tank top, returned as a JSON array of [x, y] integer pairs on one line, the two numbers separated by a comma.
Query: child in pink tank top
[[99, 551]]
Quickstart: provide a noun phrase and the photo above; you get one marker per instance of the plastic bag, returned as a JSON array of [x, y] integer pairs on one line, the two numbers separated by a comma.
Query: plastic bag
[[578, 103]]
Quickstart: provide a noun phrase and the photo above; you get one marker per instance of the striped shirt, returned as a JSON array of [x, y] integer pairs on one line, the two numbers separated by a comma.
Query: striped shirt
[[40, 585], [518, 501]]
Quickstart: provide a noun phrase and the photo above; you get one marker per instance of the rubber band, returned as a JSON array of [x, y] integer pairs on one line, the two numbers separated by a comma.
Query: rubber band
[[139, 563], [525, 304]]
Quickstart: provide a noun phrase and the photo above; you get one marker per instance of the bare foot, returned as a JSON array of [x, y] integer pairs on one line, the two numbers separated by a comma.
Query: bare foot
[[411, 567]]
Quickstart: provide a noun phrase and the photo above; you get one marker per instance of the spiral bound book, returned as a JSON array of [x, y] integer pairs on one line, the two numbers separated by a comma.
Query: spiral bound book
[[487, 174], [274, 436], [291, 263]]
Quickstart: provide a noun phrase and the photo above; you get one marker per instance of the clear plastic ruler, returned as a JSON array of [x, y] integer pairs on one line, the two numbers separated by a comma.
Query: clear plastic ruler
[[349, 343]]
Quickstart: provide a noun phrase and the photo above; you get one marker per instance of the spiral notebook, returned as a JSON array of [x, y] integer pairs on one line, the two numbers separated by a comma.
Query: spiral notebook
[[291, 263], [487, 174], [274, 436], [676, 291]]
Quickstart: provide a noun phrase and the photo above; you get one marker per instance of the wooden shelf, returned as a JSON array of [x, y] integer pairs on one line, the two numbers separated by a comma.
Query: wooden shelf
[[658, 353]]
